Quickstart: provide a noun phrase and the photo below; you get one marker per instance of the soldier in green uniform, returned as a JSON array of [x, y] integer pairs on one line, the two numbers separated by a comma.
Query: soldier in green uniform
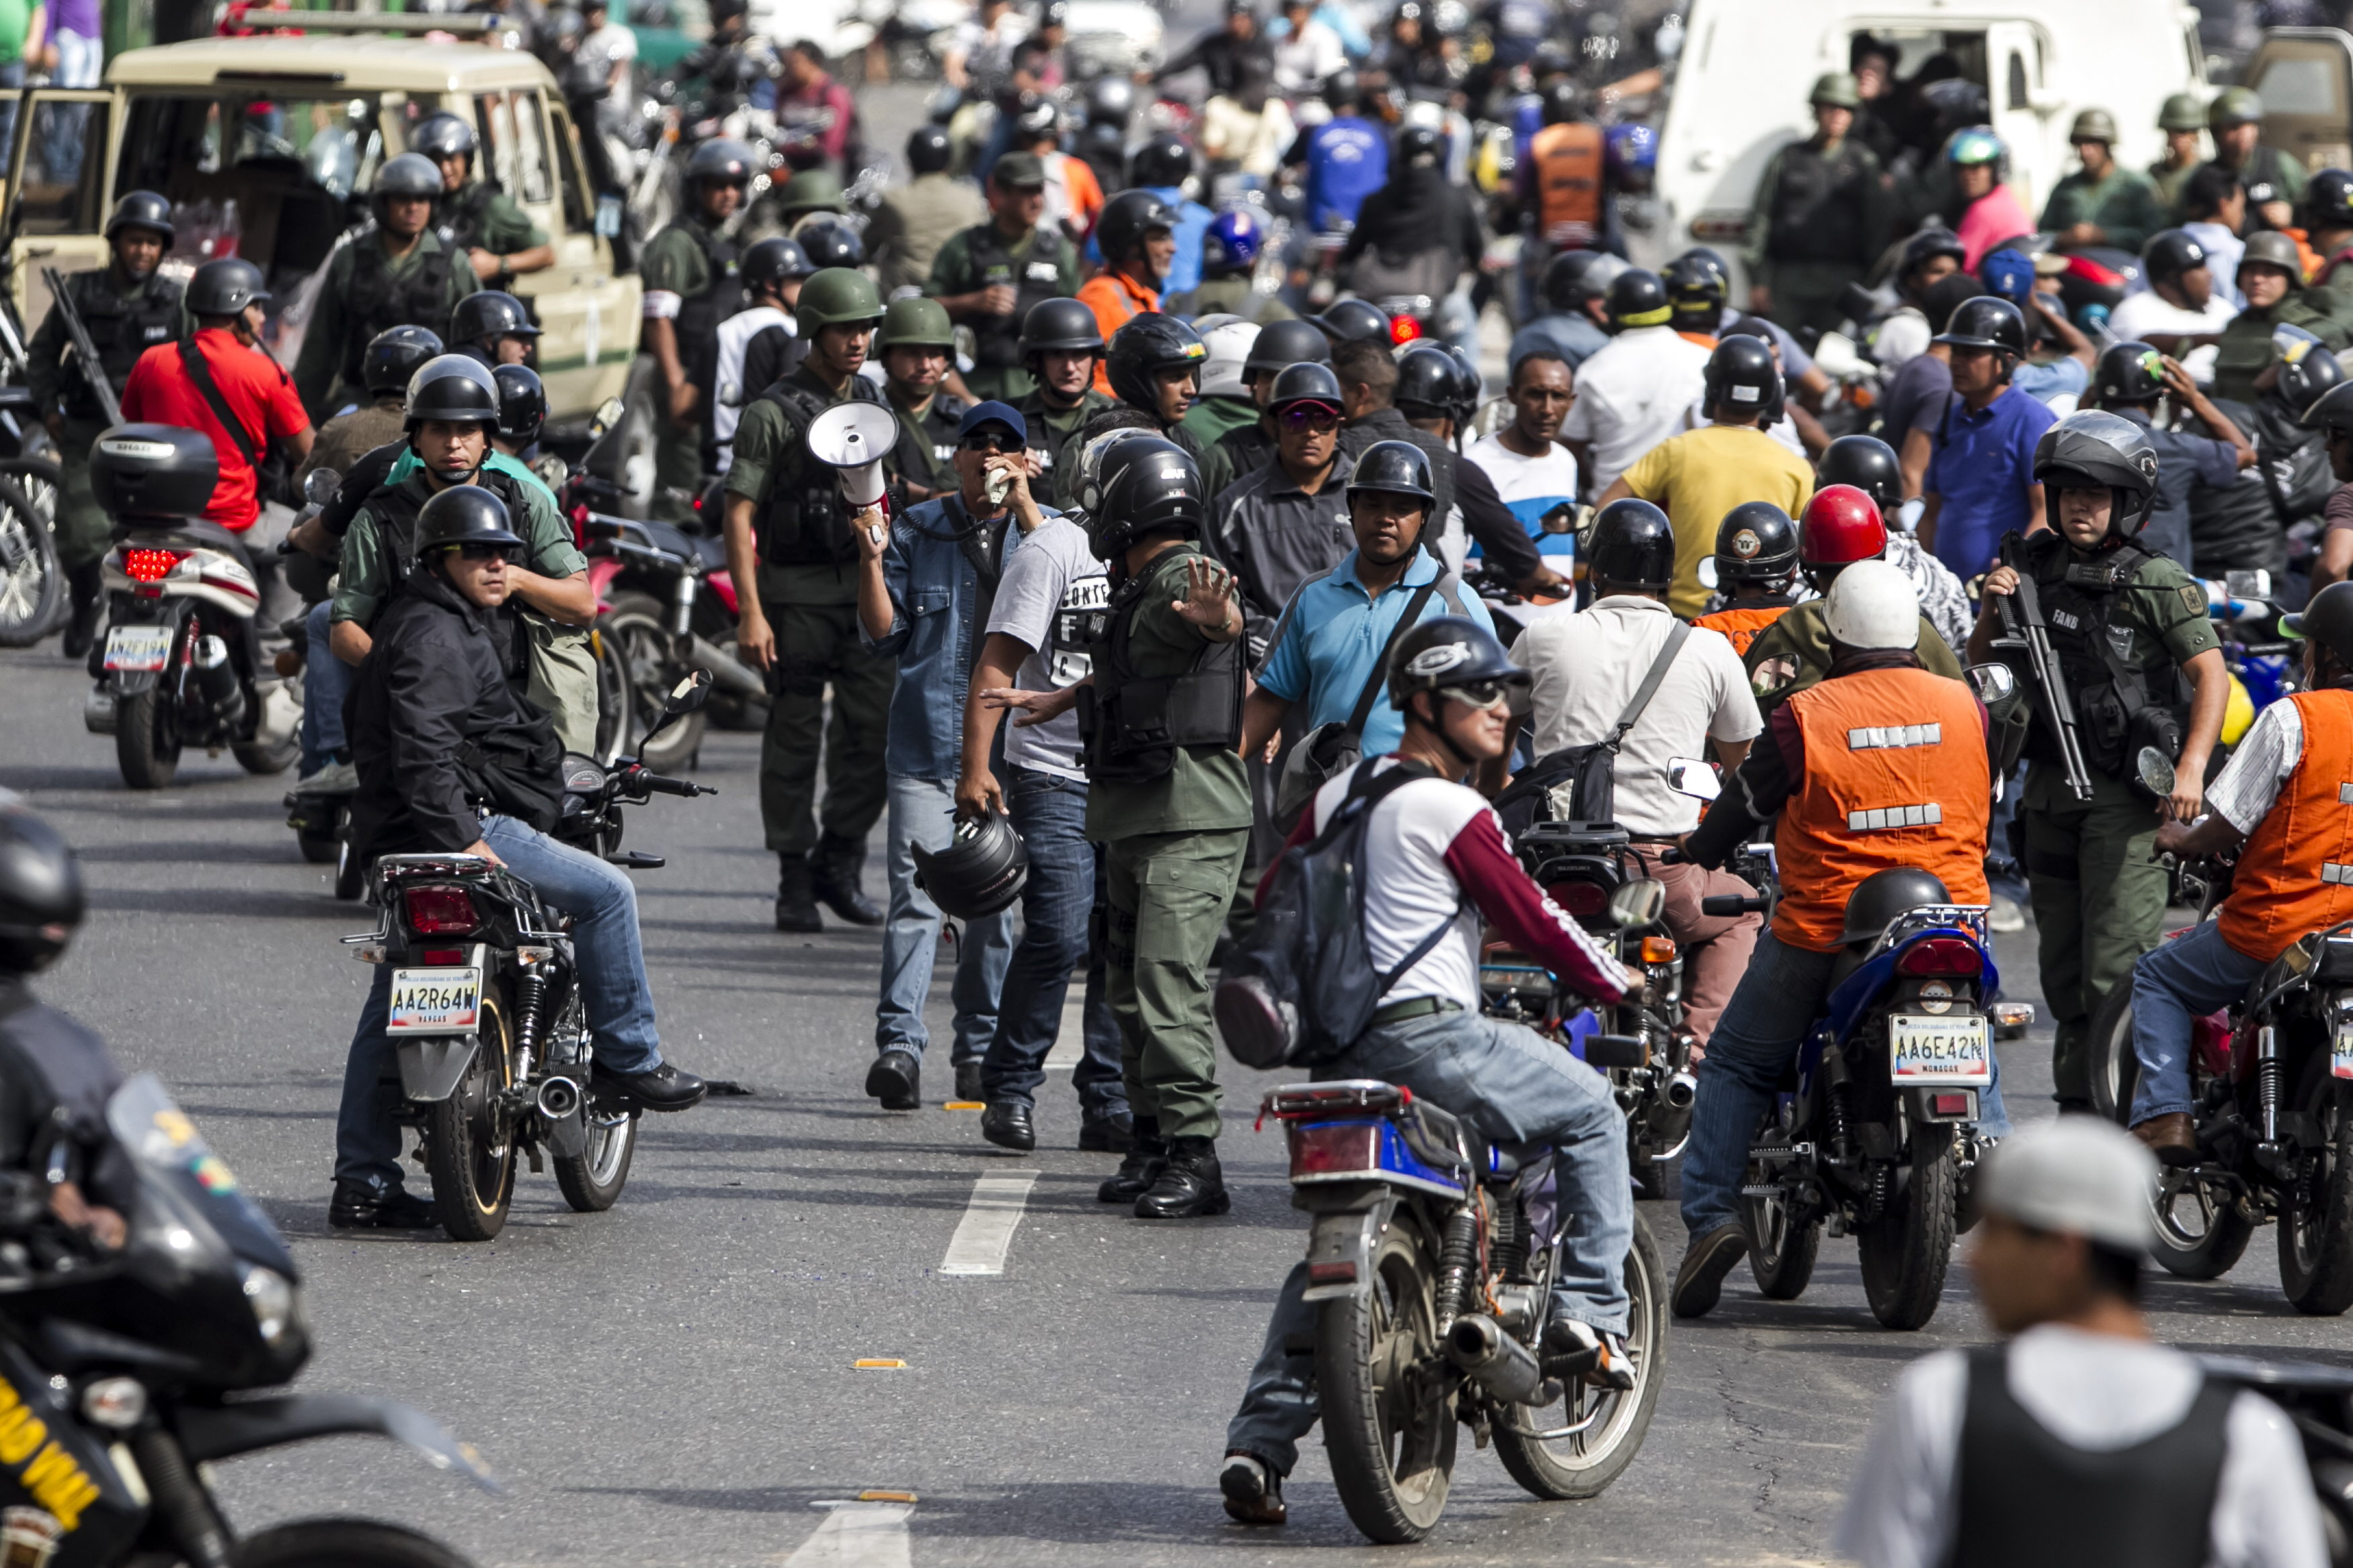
[[127, 308], [691, 285], [2183, 121], [2143, 667], [473, 216], [991, 275], [2103, 203], [2235, 119], [2328, 229], [809, 194], [1061, 346], [2271, 274], [788, 533], [1822, 216], [398, 273], [917, 346]]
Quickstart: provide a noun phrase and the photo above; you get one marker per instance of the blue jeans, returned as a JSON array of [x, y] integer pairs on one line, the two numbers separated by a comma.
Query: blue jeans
[[612, 992], [2003, 873], [1754, 1044], [326, 681], [922, 811], [1516, 1087], [1065, 887], [2175, 983]]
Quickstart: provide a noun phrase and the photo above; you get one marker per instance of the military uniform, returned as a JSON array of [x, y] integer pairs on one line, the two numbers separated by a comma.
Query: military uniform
[[1210, 417], [924, 454], [1823, 214], [481, 217], [1054, 442], [365, 292], [697, 263], [1232, 296], [2266, 165], [123, 325], [1793, 653], [1039, 265], [912, 224], [2168, 181], [2098, 894], [2245, 350], [2124, 204]]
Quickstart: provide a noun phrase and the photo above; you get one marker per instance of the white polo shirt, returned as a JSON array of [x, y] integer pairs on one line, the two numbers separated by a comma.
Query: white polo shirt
[[1630, 396]]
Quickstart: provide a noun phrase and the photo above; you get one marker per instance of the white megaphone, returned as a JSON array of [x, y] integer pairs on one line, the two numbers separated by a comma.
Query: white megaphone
[[853, 437]]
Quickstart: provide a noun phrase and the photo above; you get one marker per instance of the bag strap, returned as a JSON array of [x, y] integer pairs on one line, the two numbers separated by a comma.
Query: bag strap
[[1650, 686], [1371, 789], [192, 358], [1421, 949], [1379, 676]]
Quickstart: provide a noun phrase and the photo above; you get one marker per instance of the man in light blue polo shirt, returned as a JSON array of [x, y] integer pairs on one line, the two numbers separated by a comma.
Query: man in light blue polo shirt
[[1980, 482], [1329, 651]]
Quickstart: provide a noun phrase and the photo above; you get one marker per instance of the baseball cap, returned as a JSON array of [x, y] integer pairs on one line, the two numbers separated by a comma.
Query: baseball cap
[[993, 413], [2076, 1175]]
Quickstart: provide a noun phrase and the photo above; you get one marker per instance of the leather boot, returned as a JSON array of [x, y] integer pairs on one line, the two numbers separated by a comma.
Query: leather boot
[[796, 909], [86, 586], [834, 869], [2172, 1138], [1140, 1169], [1190, 1187]]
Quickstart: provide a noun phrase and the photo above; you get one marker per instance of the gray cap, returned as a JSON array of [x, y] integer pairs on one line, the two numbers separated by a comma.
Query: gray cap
[[2074, 1176]]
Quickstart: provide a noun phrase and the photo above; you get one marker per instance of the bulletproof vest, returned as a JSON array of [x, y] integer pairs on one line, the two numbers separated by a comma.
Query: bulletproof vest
[[376, 301], [396, 509], [804, 521], [1815, 216], [1037, 275], [1057, 453], [700, 314], [120, 330], [1135, 723], [459, 220], [2119, 706], [2023, 1499], [926, 447]]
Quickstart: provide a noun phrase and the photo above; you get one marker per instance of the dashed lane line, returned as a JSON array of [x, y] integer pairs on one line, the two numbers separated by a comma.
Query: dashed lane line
[[986, 1230], [858, 1535]]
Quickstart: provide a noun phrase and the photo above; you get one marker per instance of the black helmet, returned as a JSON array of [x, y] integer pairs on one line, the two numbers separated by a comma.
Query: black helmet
[[225, 287], [1163, 159], [1059, 323], [522, 403], [406, 175], [1343, 92], [464, 514], [2327, 618], [1879, 898], [1755, 542], [1286, 342], [982, 870], [394, 355], [1394, 468], [1928, 243], [490, 313], [2129, 372], [1632, 546], [2329, 200], [1142, 349], [1867, 463], [142, 209], [776, 260], [40, 892], [929, 151], [1638, 298], [1448, 650], [1986, 321], [2332, 410], [2306, 368], [1126, 218], [1562, 102], [830, 242], [1574, 277], [152, 471], [1742, 377], [1110, 100], [454, 387], [1428, 378], [2098, 451], [1146, 485], [443, 135], [1418, 142], [723, 159], [1696, 288], [1354, 321], [1306, 381], [2170, 253]]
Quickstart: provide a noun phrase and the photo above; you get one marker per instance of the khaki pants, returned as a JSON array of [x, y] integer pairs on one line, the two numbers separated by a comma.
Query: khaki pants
[[1168, 893], [1716, 948]]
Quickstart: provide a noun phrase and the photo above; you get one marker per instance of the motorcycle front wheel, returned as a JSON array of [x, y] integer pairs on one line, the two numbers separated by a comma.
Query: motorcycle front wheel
[[2316, 1224], [1905, 1249], [470, 1146], [1388, 1431], [342, 1543], [639, 645], [592, 1179], [2115, 1071], [1608, 1427], [32, 583], [146, 740], [1781, 1247]]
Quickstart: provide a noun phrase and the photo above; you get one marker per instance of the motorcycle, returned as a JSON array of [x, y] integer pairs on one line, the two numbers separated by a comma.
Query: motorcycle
[[32, 582], [1432, 1255], [492, 1040], [2319, 1400], [134, 1373], [2263, 660], [319, 819]]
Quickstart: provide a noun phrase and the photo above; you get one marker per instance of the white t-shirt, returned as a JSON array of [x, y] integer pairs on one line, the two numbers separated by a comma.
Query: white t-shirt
[[1531, 486], [735, 333], [2137, 315], [1409, 889], [1587, 667], [1630, 396], [1303, 60], [1052, 575], [597, 53]]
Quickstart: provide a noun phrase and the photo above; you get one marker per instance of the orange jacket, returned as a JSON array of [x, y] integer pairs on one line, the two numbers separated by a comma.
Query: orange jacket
[[1567, 161], [1895, 774], [2296, 875], [1741, 626], [1115, 298]]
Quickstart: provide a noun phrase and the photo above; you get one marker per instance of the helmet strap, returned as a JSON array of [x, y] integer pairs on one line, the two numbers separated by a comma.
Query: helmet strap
[[1429, 736]]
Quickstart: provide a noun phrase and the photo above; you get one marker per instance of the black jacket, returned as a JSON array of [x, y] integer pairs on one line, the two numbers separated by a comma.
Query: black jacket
[[54, 1069]]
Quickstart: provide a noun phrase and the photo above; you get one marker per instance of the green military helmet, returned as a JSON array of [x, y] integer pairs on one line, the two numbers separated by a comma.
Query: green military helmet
[[2182, 112], [2233, 106], [810, 191], [837, 297], [2093, 125], [912, 322], [1836, 89]]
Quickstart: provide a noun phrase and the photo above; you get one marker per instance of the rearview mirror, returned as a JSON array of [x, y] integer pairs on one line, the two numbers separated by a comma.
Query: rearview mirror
[[1994, 682], [319, 487], [2154, 771], [1707, 572], [1639, 902], [2256, 584], [1688, 776], [688, 695], [1561, 519], [609, 415]]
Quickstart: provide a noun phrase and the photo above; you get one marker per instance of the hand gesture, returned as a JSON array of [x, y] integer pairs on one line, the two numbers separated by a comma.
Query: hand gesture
[[1208, 598], [1030, 707]]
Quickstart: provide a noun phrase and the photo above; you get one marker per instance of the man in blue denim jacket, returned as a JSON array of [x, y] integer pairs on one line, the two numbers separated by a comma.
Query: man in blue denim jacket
[[924, 588]]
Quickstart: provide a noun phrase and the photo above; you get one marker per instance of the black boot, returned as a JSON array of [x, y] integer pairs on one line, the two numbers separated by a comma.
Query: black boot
[[1140, 1169], [796, 909], [1190, 1185], [86, 585], [834, 870]]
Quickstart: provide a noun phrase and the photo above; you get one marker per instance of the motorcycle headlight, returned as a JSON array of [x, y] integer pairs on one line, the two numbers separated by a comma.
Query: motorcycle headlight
[[276, 1307]]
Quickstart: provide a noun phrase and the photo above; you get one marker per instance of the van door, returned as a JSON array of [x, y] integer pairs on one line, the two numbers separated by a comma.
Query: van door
[[2016, 59], [590, 354], [56, 190], [2304, 77]]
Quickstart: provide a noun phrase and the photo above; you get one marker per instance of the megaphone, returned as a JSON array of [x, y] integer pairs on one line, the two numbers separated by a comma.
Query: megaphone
[[852, 437]]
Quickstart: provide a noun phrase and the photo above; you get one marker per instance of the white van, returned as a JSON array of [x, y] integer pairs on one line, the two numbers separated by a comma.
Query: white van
[[1748, 66]]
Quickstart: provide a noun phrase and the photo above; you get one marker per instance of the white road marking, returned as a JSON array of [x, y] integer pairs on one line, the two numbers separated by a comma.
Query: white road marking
[[986, 1230], [858, 1535]]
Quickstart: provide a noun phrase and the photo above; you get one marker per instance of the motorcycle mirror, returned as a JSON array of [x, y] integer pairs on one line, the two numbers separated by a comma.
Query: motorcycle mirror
[[688, 695], [1561, 519], [609, 415], [1994, 682], [2256, 584], [1707, 572], [320, 487], [1639, 902], [2155, 773], [1688, 776]]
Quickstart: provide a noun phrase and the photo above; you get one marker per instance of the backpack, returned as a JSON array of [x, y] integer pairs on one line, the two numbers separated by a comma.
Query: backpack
[[1301, 987]]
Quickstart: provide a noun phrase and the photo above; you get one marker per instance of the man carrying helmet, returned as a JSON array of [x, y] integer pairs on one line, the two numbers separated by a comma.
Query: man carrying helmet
[[991, 276], [473, 217], [1980, 485], [1824, 216], [1060, 347], [494, 327], [2235, 119], [2102, 203], [759, 344], [913, 222], [2144, 671], [917, 349], [395, 273], [2130, 379], [1756, 573], [690, 286], [437, 728], [1634, 393], [1841, 526], [127, 307], [1137, 233]]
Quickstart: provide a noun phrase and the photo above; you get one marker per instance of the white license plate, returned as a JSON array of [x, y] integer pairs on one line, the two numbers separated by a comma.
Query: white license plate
[[140, 649], [436, 1001], [2340, 1057], [1923, 1050]]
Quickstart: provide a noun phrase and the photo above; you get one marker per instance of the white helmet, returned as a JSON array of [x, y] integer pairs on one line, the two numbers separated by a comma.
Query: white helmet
[[1229, 341], [1872, 606], [2077, 1175]]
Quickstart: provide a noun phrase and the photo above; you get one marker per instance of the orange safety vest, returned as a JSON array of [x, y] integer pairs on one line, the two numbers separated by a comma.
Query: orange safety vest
[[1567, 160], [1116, 299], [1895, 775], [2296, 875], [1742, 627]]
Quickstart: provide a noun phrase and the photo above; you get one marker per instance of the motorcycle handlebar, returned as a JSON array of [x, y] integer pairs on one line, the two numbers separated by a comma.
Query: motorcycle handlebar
[[660, 786], [1728, 904]]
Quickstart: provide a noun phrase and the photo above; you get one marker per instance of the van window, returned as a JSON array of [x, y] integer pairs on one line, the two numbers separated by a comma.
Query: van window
[[266, 177], [65, 168], [577, 200], [2015, 88], [514, 143], [2300, 84]]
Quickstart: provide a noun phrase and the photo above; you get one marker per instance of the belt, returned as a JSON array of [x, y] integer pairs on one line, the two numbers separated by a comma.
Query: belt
[[1413, 1007]]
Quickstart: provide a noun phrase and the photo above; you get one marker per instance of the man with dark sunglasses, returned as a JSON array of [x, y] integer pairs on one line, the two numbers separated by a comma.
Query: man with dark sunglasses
[[1286, 522]]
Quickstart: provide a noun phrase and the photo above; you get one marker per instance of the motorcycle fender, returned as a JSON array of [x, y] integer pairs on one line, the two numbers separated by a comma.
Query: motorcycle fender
[[1340, 1252], [134, 682], [225, 1431], [430, 1068]]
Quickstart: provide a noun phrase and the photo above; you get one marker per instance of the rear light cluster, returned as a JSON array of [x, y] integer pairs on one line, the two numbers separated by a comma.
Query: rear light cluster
[[1332, 1148], [1586, 901], [1404, 327], [152, 565], [442, 911], [1941, 955]]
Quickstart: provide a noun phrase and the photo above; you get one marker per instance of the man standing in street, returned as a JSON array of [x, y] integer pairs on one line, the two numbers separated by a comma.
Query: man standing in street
[[2102, 203], [1634, 394], [917, 348], [915, 221], [1061, 346], [1980, 483], [396, 274], [788, 533], [991, 275], [1824, 216], [691, 285]]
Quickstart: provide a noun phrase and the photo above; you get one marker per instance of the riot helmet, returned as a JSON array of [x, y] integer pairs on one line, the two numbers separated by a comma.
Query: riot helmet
[[2094, 449], [41, 897], [523, 403], [1141, 350], [394, 355], [1869, 465]]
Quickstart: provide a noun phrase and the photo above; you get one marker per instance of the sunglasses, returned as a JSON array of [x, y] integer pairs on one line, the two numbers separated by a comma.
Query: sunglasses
[[992, 441], [1312, 417], [1477, 693], [484, 551]]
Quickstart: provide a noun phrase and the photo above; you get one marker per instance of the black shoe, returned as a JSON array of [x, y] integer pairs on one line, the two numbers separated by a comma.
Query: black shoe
[[1253, 1491], [1142, 1167], [967, 1076], [1113, 1134], [1191, 1185], [796, 906], [1699, 1282], [896, 1080], [357, 1207], [1007, 1125], [834, 873], [86, 587], [663, 1088]]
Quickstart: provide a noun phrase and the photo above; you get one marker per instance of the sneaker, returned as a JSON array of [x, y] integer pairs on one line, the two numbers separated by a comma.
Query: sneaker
[[1699, 1282], [1253, 1491], [1574, 1348], [2005, 916], [334, 778]]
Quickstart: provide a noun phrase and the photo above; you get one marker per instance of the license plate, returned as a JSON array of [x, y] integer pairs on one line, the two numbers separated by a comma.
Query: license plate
[[1939, 1050], [140, 649], [436, 1001], [2340, 1057]]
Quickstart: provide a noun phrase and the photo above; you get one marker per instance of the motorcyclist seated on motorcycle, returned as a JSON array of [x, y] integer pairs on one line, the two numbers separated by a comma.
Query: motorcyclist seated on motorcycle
[[452, 760], [2281, 806], [1755, 571], [1840, 527], [1436, 858], [494, 328], [1879, 739]]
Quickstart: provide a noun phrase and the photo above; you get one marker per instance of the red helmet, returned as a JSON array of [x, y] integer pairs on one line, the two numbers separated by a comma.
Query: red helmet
[[1841, 526]]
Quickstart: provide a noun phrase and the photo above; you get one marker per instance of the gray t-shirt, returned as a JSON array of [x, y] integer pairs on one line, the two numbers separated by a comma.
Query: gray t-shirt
[[1054, 576], [1914, 398]]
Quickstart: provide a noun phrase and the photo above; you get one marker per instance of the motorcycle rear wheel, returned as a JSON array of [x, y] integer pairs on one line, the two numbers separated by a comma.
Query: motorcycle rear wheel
[[2315, 1221], [33, 592], [350, 871], [342, 1543], [1390, 1438], [468, 1150], [1906, 1251], [1583, 1464], [592, 1179], [2201, 1232], [146, 740], [1781, 1251]]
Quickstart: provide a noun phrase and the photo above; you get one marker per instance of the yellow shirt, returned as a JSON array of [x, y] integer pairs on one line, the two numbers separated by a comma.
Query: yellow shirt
[[1697, 476]]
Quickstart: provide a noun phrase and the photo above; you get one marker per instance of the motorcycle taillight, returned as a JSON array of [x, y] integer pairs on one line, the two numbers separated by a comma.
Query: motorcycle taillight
[[442, 911], [1941, 955], [152, 565], [1404, 327], [1586, 901], [1331, 1148]]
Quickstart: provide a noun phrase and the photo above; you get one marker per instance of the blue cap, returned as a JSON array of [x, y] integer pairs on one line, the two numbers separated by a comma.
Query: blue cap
[[993, 413], [2009, 274]]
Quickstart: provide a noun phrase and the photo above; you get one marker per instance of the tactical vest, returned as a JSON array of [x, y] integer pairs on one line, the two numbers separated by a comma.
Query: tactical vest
[[699, 315], [1134, 724], [2119, 706], [1055, 454], [376, 301], [804, 521], [459, 220], [395, 511], [2296, 875], [120, 330], [1814, 214], [1567, 160], [1038, 276], [926, 447]]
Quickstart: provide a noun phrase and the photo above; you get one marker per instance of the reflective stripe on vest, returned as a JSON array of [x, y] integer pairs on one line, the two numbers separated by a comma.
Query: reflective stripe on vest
[[2332, 872], [1880, 818], [2295, 876], [1880, 737]]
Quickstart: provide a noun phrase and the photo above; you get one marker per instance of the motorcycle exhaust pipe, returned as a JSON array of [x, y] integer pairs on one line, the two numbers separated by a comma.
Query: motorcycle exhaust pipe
[[1683, 1088], [727, 670], [1491, 1358], [559, 1098]]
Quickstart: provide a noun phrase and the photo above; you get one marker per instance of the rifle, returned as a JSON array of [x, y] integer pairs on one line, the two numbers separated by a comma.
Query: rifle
[[2023, 627], [84, 349]]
